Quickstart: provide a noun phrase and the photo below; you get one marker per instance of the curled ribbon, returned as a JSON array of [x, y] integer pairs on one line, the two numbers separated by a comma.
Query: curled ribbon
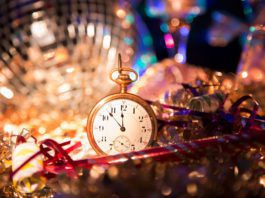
[[231, 117], [60, 156]]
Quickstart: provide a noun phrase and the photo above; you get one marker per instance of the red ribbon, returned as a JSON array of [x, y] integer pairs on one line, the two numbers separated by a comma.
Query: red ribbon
[[61, 162], [60, 156], [177, 152]]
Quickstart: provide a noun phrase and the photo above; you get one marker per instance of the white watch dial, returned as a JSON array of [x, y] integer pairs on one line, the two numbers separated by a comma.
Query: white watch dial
[[122, 125]]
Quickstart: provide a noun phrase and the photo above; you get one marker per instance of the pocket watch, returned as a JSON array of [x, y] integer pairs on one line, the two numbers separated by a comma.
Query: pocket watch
[[121, 122]]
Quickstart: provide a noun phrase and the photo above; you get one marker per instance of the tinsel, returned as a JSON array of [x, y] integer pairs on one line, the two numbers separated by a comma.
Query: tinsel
[[214, 174], [192, 162], [198, 153]]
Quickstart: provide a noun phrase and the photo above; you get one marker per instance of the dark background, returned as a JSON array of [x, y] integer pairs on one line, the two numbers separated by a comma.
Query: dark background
[[199, 52]]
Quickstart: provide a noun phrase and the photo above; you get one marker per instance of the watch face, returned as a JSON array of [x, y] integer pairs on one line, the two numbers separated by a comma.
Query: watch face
[[122, 125]]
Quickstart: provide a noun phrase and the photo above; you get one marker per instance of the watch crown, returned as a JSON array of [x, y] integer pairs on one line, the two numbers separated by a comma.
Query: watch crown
[[123, 78]]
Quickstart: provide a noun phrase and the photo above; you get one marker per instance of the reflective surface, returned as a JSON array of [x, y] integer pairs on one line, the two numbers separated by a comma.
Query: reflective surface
[[56, 55]]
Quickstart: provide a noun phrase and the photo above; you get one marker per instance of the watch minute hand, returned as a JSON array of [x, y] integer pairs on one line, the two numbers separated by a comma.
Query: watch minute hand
[[111, 115]]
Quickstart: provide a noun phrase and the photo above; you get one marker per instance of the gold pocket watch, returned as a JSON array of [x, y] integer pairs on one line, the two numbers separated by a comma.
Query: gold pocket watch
[[121, 122]]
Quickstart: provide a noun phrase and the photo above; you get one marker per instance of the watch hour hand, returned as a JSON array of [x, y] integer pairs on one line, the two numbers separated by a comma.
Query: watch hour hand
[[122, 123]]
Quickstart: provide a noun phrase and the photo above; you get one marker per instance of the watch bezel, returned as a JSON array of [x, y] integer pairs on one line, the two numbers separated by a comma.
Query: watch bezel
[[109, 98]]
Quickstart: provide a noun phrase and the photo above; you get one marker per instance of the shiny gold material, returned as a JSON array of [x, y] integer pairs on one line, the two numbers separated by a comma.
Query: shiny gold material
[[123, 79]]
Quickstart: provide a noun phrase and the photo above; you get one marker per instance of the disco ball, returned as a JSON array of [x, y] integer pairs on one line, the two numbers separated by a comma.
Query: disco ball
[[56, 55]]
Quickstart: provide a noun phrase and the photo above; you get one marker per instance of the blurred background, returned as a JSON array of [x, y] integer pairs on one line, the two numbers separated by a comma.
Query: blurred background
[[56, 55], [215, 29]]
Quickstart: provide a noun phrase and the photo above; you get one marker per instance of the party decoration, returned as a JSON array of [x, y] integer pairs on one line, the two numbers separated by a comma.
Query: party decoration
[[241, 174], [5, 153], [26, 179], [251, 67], [184, 151], [179, 98], [56, 53], [207, 103], [229, 144], [169, 76], [56, 159]]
